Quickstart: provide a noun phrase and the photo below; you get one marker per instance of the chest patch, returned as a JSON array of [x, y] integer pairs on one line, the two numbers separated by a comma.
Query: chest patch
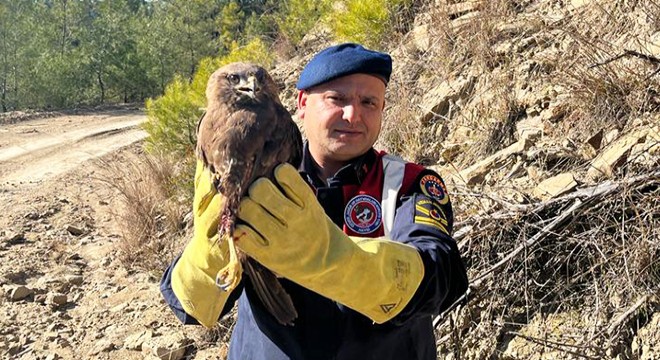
[[363, 214], [434, 188]]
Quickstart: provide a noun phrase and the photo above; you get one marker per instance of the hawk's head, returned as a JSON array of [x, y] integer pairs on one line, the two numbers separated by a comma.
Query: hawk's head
[[241, 83]]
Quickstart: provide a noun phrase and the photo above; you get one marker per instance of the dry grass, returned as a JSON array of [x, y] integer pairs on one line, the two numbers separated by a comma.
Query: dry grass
[[595, 266], [153, 205]]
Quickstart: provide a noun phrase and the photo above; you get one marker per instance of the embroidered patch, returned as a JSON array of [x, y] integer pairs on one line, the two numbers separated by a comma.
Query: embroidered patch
[[428, 212], [363, 214], [433, 187]]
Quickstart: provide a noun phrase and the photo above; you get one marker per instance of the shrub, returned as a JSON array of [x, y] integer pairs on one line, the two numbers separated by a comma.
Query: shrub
[[151, 213], [299, 16], [366, 21]]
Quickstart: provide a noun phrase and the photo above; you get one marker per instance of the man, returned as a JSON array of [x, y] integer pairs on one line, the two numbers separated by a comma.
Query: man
[[361, 239]]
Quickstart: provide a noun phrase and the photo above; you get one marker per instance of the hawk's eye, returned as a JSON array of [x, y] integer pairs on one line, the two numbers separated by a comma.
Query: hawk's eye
[[233, 79]]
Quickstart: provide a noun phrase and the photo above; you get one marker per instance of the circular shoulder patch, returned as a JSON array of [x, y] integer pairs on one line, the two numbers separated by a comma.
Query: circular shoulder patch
[[363, 214], [434, 188]]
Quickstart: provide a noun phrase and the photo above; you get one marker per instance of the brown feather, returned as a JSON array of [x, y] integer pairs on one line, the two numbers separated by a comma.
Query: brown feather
[[244, 135]]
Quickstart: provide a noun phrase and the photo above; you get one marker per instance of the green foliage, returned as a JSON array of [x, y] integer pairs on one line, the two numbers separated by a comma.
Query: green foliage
[[173, 117], [299, 16], [366, 21]]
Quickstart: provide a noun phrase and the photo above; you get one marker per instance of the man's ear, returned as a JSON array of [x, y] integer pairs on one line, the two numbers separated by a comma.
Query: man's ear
[[302, 103]]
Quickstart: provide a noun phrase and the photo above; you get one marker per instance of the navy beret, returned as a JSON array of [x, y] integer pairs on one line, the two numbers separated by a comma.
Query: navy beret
[[341, 60]]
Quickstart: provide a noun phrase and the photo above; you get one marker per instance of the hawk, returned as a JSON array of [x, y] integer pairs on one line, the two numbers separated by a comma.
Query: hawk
[[244, 134]]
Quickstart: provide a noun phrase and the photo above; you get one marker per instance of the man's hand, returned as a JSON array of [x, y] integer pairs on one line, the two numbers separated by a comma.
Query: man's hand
[[290, 234], [194, 275]]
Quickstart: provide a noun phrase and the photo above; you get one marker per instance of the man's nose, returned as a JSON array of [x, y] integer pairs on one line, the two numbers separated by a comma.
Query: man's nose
[[351, 112]]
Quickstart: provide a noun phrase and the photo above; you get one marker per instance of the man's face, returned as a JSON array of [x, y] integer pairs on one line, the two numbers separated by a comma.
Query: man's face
[[342, 118]]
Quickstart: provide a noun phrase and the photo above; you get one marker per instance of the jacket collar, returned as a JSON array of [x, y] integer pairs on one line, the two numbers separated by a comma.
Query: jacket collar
[[352, 173]]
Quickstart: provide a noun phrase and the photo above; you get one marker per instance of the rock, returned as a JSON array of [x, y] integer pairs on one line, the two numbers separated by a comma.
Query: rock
[[14, 348], [15, 238], [610, 136], [214, 353], [40, 298], [477, 172], [135, 341], [103, 345], [31, 216], [51, 335], [615, 154], [436, 102], [19, 292], [529, 128], [73, 230], [53, 356], [170, 347], [596, 140], [462, 8], [56, 299], [74, 279], [555, 112], [555, 186], [421, 37]]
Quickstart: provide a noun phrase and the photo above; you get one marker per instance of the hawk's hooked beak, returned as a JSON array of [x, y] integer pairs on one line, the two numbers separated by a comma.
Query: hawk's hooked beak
[[250, 87]]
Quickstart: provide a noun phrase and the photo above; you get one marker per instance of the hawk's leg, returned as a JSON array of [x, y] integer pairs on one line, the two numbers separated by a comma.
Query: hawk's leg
[[229, 277]]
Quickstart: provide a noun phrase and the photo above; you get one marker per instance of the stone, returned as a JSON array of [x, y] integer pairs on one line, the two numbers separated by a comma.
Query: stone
[[610, 136], [555, 112], [15, 238], [615, 154], [135, 341], [56, 299], [74, 279], [168, 347], [436, 103], [462, 8], [421, 38], [53, 356], [555, 186], [19, 292], [14, 348], [596, 140], [529, 128], [477, 173], [74, 230], [103, 345]]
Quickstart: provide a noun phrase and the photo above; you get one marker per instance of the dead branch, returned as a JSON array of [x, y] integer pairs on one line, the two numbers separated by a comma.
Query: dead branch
[[649, 58], [630, 313], [583, 199]]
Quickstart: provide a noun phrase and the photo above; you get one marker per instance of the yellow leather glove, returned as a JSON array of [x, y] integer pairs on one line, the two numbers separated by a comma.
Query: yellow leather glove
[[291, 235], [194, 275]]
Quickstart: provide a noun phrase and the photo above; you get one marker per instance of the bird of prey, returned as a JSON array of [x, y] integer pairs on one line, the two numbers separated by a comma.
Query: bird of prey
[[244, 134]]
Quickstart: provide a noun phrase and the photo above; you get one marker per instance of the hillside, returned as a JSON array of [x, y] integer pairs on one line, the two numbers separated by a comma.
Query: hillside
[[542, 116]]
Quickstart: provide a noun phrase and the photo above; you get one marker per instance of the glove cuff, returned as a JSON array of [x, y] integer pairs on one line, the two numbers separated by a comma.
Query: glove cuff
[[193, 283]]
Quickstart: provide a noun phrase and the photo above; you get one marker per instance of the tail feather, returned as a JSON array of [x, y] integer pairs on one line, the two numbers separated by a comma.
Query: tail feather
[[271, 293]]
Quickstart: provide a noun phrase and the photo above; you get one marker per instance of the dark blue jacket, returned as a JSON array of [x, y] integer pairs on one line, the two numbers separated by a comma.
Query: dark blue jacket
[[325, 329]]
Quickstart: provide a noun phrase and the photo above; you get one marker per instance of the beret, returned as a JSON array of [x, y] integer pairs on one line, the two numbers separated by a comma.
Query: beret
[[341, 60]]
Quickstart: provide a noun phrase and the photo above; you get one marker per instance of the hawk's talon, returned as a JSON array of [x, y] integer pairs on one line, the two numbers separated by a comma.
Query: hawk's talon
[[229, 277]]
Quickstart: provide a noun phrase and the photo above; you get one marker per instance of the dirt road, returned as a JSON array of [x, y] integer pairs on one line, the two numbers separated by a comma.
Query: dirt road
[[34, 150], [64, 293]]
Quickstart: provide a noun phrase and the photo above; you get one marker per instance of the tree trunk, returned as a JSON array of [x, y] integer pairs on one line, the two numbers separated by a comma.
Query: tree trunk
[[5, 73], [101, 86]]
